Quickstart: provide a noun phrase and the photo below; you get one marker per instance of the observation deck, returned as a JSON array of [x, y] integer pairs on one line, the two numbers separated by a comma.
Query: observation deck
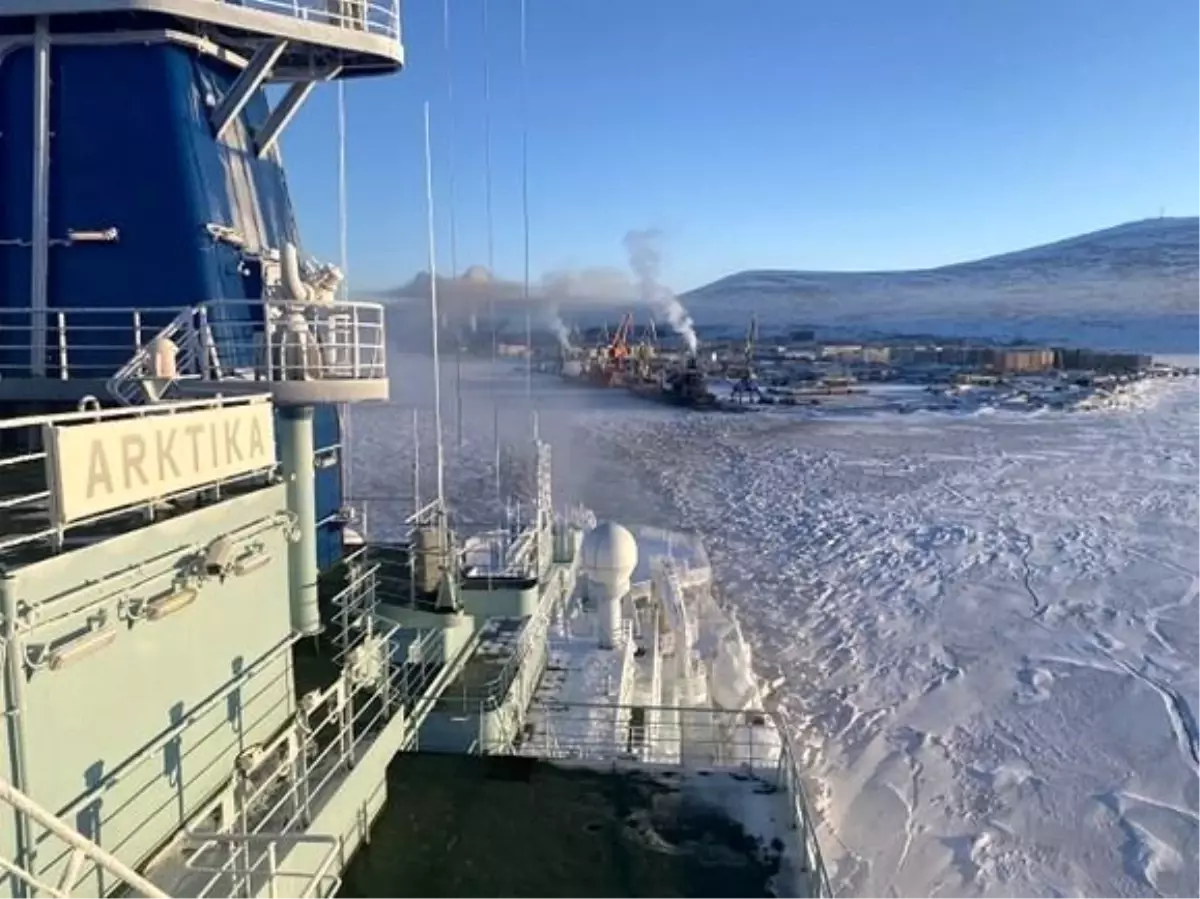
[[309, 38], [299, 353]]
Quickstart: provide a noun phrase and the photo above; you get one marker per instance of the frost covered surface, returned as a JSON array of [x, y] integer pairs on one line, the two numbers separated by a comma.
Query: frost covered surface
[[988, 625], [990, 635]]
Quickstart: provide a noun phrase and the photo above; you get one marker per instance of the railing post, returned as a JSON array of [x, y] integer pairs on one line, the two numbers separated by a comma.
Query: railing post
[[60, 323], [205, 348], [39, 252], [355, 343], [271, 868], [345, 700]]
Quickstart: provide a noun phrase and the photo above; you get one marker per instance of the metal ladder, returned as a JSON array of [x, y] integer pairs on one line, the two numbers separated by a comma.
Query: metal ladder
[[134, 383], [82, 851]]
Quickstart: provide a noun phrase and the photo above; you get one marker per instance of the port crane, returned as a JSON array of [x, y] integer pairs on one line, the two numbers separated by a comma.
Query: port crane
[[618, 347], [746, 385]]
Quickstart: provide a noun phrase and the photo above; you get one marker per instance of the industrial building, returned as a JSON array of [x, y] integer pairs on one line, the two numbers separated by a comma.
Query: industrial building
[[1024, 360], [1073, 359]]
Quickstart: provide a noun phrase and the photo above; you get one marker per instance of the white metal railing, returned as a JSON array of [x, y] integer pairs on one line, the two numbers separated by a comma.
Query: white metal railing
[[82, 852], [81, 343], [378, 17], [745, 742], [323, 880], [523, 666], [265, 341], [233, 843], [130, 382], [246, 340], [25, 500], [817, 876]]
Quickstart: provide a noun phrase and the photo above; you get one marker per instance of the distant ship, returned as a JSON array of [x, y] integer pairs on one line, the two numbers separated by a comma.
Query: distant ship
[[216, 682]]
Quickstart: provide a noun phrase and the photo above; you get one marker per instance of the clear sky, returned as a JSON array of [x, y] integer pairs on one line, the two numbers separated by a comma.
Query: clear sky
[[808, 134]]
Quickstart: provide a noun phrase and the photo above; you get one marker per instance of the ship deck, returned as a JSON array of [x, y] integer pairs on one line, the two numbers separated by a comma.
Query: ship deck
[[512, 826], [481, 675]]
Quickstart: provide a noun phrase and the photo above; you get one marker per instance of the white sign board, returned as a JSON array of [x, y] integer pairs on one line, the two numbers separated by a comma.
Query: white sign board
[[94, 468]]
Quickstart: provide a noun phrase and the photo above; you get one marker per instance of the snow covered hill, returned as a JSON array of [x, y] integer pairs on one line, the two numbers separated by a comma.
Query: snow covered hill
[[1133, 286]]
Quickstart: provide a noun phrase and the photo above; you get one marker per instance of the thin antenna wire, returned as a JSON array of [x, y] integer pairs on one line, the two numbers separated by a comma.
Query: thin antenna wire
[[453, 221], [525, 205], [491, 244], [433, 311], [416, 461], [343, 221], [343, 410]]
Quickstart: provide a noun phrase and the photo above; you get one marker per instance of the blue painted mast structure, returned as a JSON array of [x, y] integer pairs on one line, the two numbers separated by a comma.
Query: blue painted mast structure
[[141, 174]]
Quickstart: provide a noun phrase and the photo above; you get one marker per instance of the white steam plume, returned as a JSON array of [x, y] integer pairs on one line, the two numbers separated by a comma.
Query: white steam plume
[[558, 328], [646, 261]]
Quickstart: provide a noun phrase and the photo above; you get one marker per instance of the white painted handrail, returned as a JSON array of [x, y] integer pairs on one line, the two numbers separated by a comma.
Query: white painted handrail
[[83, 850]]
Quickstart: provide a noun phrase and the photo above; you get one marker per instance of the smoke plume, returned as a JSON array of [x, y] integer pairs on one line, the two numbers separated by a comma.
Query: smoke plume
[[646, 261], [557, 327]]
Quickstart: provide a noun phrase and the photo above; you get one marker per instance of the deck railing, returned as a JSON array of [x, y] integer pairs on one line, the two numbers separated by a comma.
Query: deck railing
[[523, 666], [699, 739], [235, 842], [379, 17], [83, 853], [26, 513], [246, 340]]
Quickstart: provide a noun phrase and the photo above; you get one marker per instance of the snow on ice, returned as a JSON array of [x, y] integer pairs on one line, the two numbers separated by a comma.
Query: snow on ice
[[988, 625]]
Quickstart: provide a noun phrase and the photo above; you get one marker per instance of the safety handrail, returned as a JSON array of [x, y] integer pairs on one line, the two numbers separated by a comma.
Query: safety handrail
[[378, 17], [25, 489], [261, 341], [727, 740], [83, 851]]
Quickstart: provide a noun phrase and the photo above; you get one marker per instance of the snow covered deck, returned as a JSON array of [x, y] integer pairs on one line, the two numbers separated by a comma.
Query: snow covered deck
[[580, 675]]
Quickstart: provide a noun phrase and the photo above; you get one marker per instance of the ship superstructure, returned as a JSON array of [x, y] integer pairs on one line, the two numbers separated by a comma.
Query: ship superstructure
[[170, 507], [207, 691]]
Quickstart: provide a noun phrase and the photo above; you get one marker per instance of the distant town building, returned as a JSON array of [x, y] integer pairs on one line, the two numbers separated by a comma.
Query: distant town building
[[843, 351], [1016, 361], [1072, 359], [876, 355]]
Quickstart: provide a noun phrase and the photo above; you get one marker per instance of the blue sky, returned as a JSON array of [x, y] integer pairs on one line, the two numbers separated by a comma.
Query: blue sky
[[800, 134]]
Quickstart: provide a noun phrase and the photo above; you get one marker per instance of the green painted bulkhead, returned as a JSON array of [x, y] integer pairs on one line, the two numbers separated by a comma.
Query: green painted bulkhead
[[194, 687]]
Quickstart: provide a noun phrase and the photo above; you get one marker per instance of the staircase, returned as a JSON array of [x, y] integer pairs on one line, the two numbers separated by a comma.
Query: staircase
[[154, 372]]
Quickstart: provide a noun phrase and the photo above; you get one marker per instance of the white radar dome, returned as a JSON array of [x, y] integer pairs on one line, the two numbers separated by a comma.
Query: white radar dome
[[609, 553]]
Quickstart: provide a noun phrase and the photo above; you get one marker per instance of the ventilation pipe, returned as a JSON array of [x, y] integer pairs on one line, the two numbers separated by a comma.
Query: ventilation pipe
[[293, 282]]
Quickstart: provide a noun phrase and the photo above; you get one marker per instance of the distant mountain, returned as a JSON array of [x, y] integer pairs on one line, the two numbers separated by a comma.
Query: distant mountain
[[1133, 286]]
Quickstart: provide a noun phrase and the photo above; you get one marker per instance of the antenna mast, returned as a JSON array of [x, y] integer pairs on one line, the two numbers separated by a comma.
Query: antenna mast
[[491, 244], [453, 222], [433, 310], [416, 460], [344, 409], [525, 205]]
